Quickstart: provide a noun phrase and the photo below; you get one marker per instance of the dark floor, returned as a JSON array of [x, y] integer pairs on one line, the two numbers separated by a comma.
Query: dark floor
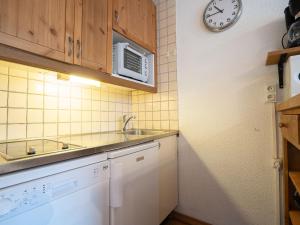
[[173, 222]]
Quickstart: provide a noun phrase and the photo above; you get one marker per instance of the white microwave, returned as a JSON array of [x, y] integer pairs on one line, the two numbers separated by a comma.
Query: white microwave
[[291, 77], [132, 63]]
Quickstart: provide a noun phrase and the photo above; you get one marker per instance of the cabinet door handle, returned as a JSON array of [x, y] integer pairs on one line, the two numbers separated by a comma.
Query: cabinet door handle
[[117, 16], [78, 44], [281, 125], [70, 46]]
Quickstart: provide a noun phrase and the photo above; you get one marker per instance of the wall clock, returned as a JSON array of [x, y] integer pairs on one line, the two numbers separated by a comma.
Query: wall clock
[[220, 15]]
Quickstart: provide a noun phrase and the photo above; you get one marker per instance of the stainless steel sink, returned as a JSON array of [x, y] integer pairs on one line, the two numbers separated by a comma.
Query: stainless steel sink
[[142, 132]]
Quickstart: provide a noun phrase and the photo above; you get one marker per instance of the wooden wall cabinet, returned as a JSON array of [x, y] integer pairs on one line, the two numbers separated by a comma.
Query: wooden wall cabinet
[[72, 31], [136, 20], [93, 34], [75, 36], [43, 27]]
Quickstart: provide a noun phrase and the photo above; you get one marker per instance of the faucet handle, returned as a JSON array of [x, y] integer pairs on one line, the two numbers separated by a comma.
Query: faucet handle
[[124, 118]]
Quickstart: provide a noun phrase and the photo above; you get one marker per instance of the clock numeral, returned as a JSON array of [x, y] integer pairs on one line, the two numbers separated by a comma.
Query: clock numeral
[[210, 21], [215, 23], [234, 13], [210, 8], [235, 6], [233, 1], [228, 19], [221, 24]]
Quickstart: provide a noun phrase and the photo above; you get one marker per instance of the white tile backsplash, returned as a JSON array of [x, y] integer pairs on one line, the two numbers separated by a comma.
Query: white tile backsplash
[[50, 116], [3, 129], [34, 104], [3, 82], [16, 131], [35, 101], [18, 100], [3, 115], [17, 84], [17, 115], [35, 116], [35, 130], [50, 129], [35, 87]]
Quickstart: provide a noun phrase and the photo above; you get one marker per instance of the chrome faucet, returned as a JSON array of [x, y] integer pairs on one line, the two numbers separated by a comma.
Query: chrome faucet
[[126, 121]]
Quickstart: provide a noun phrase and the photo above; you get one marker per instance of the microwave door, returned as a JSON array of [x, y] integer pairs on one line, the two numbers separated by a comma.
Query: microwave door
[[133, 65]]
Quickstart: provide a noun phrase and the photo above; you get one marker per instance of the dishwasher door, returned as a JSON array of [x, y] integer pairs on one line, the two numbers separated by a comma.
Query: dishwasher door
[[134, 188], [76, 197]]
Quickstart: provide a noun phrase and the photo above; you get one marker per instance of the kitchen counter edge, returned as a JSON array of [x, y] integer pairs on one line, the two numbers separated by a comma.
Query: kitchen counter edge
[[23, 164]]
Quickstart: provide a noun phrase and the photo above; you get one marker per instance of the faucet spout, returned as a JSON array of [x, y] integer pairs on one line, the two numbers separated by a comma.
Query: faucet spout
[[126, 121]]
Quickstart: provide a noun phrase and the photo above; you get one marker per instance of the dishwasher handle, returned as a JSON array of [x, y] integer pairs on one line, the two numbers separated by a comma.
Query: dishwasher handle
[[116, 185]]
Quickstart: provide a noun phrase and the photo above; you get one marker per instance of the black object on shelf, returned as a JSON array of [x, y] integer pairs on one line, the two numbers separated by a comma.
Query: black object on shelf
[[283, 59]]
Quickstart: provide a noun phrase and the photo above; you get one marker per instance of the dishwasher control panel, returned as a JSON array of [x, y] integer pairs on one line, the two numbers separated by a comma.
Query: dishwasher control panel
[[20, 198]]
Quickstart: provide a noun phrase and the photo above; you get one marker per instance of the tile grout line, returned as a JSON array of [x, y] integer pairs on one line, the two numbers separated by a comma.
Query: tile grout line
[[7, 101]]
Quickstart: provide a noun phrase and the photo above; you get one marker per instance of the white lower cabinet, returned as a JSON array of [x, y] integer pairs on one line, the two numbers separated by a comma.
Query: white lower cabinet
[[134, 185], [143, 183], [168, 176]]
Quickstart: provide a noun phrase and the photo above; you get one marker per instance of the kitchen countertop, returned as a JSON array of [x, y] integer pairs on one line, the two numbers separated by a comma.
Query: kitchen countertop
[[90, 144]]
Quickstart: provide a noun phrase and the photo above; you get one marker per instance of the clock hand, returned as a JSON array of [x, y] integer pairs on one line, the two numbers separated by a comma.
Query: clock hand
[[212, 14], [221, 11]]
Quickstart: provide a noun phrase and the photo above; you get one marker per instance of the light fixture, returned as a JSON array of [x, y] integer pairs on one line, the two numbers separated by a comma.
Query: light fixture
[[78, 80], [81, 80]]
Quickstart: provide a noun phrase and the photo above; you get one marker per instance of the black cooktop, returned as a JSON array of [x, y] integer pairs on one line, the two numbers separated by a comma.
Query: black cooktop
[[30, 148]]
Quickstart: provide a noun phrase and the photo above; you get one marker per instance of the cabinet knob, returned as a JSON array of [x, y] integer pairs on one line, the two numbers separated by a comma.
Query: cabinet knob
[[78, 44], [281, 125], [70, 50]]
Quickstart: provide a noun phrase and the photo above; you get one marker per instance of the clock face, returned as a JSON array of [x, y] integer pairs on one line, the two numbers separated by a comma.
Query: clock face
[[219, 15]]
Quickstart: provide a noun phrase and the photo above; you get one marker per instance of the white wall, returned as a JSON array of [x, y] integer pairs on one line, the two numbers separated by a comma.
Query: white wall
[[225, 149]]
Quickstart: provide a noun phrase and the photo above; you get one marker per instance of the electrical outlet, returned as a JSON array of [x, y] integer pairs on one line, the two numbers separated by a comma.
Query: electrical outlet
[[271, 88], [271, 98], [270, 94]]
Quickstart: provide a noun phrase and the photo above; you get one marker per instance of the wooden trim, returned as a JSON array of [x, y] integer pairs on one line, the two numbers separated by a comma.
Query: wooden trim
[[134, 39], [187, 219], [286, 181], [292, 103], [9, 40], [295, 111], [295, 178], [109, 43], [295, 217], [274, 57], [23, 57]]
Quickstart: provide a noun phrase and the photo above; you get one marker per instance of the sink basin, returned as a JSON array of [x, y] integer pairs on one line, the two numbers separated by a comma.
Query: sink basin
[[142, 132]]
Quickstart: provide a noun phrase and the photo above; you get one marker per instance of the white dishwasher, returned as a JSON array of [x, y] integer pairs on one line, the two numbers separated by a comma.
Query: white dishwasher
[[134, 185], [74, 192]]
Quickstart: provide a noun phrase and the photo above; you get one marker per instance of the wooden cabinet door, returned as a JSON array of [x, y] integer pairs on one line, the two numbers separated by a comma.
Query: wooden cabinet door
[[43, 27], [93, 34], [168, 176], [136, 19]]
